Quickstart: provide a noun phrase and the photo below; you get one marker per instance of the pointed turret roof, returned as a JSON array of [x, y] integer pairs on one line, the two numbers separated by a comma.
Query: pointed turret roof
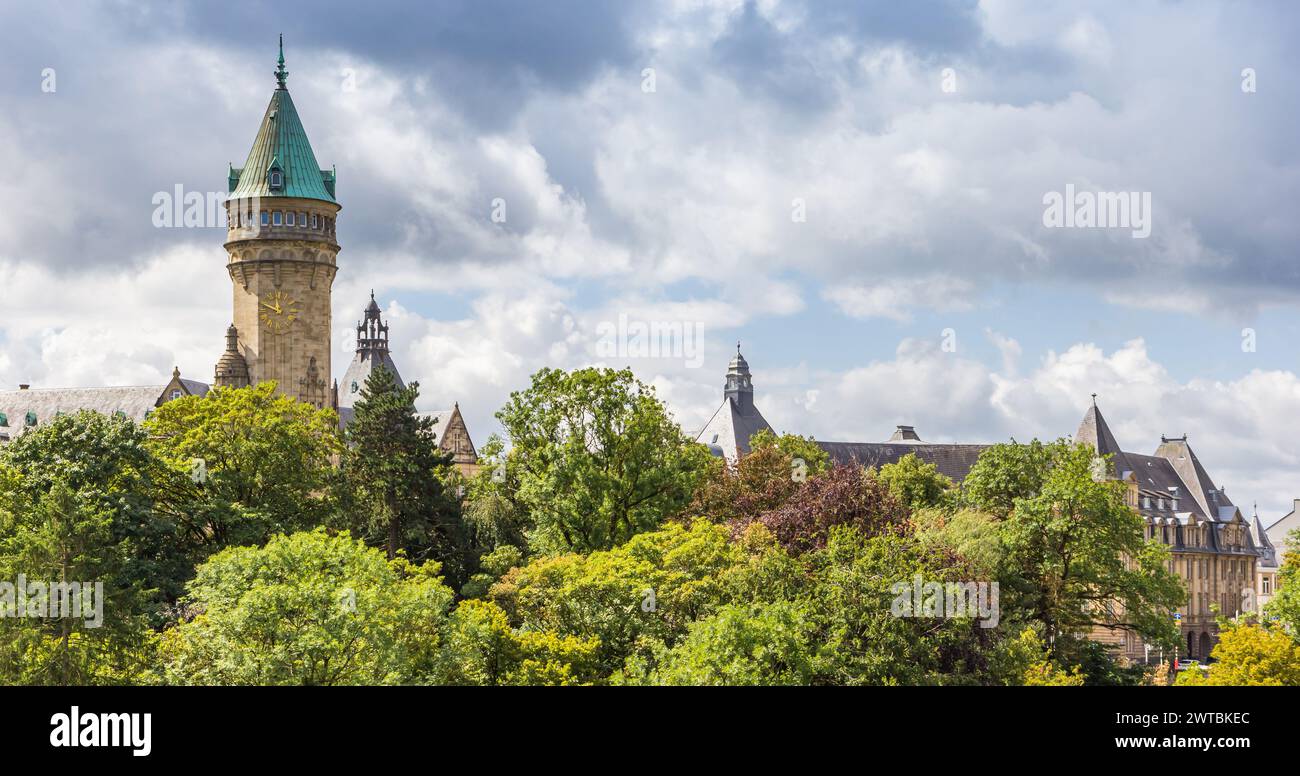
[[1094, 431], [281, 143], [1263, 545]]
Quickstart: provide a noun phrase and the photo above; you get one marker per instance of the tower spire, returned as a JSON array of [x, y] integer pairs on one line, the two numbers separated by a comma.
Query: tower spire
[[281, 75]]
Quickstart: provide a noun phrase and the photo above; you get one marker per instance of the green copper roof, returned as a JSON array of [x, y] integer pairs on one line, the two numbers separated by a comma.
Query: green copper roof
[[281, 144]]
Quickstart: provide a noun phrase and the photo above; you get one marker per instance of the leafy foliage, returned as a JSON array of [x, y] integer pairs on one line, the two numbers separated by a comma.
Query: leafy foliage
[[308, 609], [915, 483], [391, 473], [847, 495], [239, 465], [596, 458], [1249, 654]]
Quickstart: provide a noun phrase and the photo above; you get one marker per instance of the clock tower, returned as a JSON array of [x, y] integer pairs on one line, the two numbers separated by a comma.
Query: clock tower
[[282, 258]]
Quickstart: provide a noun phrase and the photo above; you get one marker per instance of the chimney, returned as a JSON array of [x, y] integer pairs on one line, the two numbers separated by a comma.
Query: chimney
[[905, 434], [23, 386]]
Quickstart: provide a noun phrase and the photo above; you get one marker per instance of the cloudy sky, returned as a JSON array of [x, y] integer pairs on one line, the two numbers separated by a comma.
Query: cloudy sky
[[853, 189]]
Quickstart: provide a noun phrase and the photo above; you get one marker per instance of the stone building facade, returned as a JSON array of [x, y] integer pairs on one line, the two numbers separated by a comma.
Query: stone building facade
[[283, 256]]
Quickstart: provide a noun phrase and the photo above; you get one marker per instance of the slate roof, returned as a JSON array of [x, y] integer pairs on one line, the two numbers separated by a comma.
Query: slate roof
[[135, 402], [1263, 545], [727, 433], [1174, 490], [282, 142], [954, 461], [360, 368]]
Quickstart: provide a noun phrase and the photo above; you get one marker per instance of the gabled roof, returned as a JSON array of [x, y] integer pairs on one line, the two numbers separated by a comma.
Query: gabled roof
[[446, 423], [727, 433], [281, 141]]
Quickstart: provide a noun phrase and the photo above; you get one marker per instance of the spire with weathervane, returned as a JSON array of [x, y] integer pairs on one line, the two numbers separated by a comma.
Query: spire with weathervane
[[281, 75]]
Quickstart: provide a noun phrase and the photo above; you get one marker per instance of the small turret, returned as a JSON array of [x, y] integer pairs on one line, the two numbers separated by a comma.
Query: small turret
[[232, 369], [740, 386]]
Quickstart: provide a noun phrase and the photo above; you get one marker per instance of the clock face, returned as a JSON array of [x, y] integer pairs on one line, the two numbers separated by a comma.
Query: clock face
[[278, 312]]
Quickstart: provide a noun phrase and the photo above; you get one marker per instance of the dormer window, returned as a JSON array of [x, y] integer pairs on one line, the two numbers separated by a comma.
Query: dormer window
[[276, 180], [354, 386], [4, 420], [31, 419]]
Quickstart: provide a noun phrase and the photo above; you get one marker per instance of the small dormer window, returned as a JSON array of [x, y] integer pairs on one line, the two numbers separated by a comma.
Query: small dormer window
[[276, 180], [176, 393], [31, 419], [4, 420], [354, 386]]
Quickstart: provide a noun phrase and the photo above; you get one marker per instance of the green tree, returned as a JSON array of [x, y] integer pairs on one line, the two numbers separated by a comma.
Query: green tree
[[392, 468], [239, 465], [67, 538], [872, 631], [481, 648], [1284, 607], [643, 592], [493, 514], [974, 536], [105, 461], [1026, 661], [598, 458], [738, 645], [1005, 473], [1249, 654], [308, 609], [915, 483]]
